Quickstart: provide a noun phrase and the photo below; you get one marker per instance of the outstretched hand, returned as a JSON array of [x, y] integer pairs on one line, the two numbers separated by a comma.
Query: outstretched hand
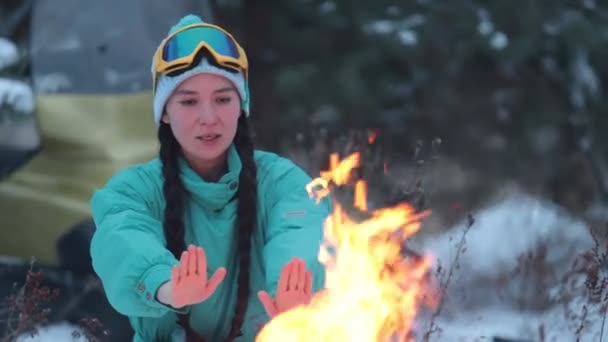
[[294, 289], [189, 284]]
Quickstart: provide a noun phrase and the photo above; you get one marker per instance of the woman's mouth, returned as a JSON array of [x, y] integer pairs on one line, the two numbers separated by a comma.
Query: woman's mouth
[[208, 137]]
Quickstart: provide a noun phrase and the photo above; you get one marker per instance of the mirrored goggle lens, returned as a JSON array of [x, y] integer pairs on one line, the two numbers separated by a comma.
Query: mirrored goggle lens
[[184, 43]]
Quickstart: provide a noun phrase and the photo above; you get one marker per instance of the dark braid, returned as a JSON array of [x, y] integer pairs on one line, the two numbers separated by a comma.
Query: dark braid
[[246, 220], [175, 195], [173, 189]]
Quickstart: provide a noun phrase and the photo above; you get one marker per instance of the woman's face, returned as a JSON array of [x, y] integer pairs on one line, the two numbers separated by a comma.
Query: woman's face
[[203, 113]]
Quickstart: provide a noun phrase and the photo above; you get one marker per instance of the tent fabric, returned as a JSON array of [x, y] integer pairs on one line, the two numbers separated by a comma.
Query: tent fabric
[[90, 71]]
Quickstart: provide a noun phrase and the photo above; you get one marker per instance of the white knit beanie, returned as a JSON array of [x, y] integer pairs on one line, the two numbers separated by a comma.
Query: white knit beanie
[[167, 84]]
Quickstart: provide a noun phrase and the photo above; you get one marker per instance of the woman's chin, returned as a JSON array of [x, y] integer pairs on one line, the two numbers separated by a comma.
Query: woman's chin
[[209, 150]]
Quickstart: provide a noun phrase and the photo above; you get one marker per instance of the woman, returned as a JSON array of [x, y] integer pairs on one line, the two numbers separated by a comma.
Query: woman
[[209, 205]]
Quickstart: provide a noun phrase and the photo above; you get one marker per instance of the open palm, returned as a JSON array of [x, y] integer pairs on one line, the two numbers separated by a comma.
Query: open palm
[[294, 289], [189, 284]]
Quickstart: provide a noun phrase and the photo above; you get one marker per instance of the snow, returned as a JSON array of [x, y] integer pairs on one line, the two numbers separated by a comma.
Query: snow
[[485, 25], [327, 7], [487, 324], [408, 37], [519, 326], [514, 226], [552, 29], [115, 77], [17, 131], [490, 294], [382, 26], [56, 332], [69, 43], [52, 82], [16, 94], [589, 4], [414, 20], [585, 80], [403, 29], [8, 53], [481, 302], [499, 40]]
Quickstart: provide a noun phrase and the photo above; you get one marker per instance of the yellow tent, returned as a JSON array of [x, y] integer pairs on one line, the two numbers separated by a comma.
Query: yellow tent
[[90, 64]]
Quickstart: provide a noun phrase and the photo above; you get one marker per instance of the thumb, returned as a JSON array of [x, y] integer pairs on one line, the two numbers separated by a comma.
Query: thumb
[[215, 280], [268, 303]]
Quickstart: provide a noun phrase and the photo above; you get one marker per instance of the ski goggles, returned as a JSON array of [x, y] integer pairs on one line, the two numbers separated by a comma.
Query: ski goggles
[[179, 50]]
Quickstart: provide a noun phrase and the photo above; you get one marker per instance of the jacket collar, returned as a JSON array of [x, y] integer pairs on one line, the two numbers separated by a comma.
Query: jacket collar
[[213, 195]]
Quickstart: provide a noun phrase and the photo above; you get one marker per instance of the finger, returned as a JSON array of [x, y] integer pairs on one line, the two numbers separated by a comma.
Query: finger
[[183, 262], [175, 278], [202, 263], [186, 265], [301, 275], [192, 260], [201, 266], [268, 303], [215, 280], [284, 277], [293, 275], [308, 282]]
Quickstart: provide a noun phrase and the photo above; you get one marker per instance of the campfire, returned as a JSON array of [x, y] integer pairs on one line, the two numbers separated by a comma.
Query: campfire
[[372, 291]]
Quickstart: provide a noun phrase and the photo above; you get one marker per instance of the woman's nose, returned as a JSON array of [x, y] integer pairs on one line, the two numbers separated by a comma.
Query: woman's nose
[[207, 115]]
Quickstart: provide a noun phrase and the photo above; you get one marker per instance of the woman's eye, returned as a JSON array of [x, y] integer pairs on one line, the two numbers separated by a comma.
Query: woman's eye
[[222, 100], [189, 102]]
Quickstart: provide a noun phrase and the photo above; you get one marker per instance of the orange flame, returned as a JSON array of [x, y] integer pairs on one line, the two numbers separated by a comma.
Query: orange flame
[[372, 293], [339, 173], [360, 195], [371, 136]]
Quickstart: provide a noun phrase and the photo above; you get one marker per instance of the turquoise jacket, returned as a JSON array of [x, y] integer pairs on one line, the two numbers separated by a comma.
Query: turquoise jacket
[[129, 252]]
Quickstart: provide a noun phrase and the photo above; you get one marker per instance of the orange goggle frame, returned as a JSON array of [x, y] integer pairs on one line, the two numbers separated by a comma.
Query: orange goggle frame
[[179, 50]]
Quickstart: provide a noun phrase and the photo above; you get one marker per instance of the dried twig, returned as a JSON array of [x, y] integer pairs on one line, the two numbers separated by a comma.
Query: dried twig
[[25, 310], [603, 323], [454, 266], [602, 260], [91, 284], [93, 330]]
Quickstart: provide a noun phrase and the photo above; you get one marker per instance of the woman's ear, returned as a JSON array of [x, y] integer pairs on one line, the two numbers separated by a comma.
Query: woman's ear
[[165, 118]]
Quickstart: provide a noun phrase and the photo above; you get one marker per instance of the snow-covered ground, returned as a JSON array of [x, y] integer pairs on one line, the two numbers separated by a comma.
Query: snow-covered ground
[[491, 294], [515, 277], [55, 333]]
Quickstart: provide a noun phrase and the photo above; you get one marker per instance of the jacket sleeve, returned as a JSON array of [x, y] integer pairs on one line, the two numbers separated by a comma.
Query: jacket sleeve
[[294, 226], [128, 247]]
